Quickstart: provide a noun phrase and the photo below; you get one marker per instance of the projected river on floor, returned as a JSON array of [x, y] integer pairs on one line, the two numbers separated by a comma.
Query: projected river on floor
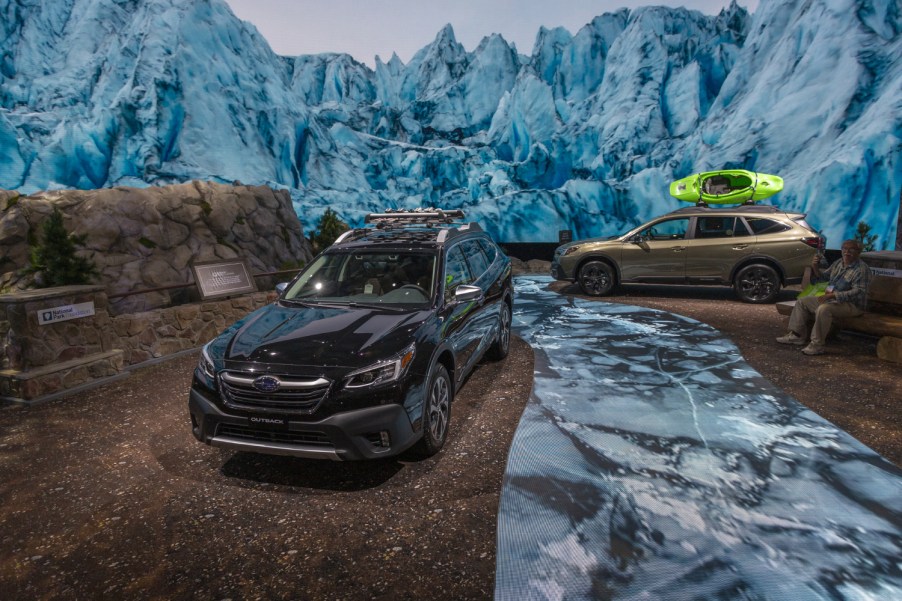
[[653, 463]]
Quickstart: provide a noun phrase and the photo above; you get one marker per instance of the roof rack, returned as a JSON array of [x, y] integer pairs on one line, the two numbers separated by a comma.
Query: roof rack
[[420, 225], [429, 217]]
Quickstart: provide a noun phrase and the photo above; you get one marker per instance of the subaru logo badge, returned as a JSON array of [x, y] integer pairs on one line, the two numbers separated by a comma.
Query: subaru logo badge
[[267, 384]]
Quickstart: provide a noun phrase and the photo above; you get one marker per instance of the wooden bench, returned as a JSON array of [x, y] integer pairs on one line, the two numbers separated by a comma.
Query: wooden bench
[[884, 316]]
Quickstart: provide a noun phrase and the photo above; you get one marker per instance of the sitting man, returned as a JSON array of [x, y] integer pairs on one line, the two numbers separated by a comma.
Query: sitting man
[[846, 296]]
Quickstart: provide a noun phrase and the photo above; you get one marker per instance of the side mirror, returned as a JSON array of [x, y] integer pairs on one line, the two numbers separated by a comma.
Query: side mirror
[[465, 294], [281, 286], [637, 239]]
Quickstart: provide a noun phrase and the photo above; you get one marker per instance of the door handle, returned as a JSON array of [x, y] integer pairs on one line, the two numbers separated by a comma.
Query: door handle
[[740, 246], [677, 249]]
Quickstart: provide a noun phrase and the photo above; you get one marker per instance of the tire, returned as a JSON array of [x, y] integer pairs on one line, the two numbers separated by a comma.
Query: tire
[[436, 412], [757, 283], [596, 278], [502, 345]]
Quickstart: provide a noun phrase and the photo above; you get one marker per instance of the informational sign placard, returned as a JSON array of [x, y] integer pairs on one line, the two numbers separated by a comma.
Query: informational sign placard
[[564, 236], [222, 278], [65, 313], [889, 273]]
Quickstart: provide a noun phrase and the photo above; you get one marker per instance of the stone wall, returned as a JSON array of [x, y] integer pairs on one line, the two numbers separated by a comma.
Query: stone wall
[[37, 360], [155, 334], [147, 238]]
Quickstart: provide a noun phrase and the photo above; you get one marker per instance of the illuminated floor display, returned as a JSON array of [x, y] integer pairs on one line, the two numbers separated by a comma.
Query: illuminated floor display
[[652, 462]]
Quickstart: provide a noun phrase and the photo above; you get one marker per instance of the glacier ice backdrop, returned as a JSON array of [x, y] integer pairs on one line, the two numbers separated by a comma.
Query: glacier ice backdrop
[[584, 133]]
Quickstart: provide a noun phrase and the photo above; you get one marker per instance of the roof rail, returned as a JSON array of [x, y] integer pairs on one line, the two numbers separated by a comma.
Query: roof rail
[[427, 217], [743, 208]]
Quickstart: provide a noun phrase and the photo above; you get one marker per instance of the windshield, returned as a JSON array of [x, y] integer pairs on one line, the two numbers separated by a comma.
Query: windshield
[[366, 277]]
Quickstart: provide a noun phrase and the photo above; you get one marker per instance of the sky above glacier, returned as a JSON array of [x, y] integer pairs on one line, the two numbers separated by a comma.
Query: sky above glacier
[[380, 27]]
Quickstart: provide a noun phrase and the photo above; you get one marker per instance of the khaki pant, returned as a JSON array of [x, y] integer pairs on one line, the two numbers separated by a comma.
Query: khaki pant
[[807, 310]]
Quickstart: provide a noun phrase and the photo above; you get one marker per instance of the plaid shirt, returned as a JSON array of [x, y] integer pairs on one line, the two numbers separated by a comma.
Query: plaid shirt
[[850, 284]]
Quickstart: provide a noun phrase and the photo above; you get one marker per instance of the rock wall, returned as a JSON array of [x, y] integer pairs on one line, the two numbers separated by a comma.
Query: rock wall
[[162, 332], [142, 238]]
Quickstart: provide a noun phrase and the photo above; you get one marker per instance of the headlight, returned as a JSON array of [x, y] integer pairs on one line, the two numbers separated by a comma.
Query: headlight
[[382, 372], [571, 250], [205, 363]]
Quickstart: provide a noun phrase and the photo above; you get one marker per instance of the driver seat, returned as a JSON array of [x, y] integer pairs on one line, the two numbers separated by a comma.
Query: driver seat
[[373, 286]]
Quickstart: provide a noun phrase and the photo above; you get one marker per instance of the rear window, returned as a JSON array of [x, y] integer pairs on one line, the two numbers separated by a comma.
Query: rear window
[[801, 221], [762, 226]]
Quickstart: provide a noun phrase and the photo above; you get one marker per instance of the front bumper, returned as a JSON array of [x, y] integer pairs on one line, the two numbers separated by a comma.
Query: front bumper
[[558, 272], [367, 433]]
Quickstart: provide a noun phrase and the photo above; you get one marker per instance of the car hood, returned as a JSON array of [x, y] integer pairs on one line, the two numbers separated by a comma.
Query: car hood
[[322, 335], [586, 241]]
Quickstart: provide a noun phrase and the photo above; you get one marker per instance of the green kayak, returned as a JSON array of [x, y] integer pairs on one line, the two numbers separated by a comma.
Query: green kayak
[[731, 186]]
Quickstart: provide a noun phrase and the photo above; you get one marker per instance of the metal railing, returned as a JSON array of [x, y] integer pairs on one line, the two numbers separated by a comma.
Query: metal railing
[[192, 284]]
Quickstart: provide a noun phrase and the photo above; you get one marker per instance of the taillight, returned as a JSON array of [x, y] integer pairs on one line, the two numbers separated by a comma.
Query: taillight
[[814, 242]]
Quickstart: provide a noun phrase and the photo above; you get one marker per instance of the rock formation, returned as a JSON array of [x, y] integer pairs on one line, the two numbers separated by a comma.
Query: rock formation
[[143, 238]]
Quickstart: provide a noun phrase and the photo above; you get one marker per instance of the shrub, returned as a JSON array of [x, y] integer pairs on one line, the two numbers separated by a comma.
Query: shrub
[[53, 258], [863, 234], [329, 229], [291, 264]]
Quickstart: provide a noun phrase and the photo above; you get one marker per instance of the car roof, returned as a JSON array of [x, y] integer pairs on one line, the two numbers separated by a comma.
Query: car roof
[[742, 210], [430, 228]]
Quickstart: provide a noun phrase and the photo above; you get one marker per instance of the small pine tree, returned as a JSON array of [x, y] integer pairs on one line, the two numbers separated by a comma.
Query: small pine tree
[[54, 258], [863, 234], [329, 229]]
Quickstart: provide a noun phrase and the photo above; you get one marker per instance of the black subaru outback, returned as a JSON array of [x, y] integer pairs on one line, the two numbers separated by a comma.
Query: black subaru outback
[[362, 354]]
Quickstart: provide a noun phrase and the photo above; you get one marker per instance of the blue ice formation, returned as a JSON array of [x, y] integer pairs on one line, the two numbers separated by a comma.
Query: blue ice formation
[[584, 133], [653, 463]]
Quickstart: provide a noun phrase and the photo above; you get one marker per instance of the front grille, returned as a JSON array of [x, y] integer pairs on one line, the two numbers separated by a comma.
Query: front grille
[[245, 433], [292, 394]]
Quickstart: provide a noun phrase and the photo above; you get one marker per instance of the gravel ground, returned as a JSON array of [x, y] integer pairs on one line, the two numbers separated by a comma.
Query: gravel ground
[[105, 493]]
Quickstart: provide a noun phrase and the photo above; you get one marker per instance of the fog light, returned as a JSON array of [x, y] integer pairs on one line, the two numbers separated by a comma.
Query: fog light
[[384, 439]]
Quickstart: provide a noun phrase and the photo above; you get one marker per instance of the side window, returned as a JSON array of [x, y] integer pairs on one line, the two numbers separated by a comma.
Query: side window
[[719, 227], [671, 229], [456, 271], [491, 251], [740, 229], [475, 257], [765, 226]]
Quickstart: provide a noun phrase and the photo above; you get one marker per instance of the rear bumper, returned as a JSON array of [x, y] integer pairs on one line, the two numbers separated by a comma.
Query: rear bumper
[[352, 435]]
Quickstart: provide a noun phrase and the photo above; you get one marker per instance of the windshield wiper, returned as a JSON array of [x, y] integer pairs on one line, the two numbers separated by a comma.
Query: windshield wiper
[[341, 304], [297, 301]]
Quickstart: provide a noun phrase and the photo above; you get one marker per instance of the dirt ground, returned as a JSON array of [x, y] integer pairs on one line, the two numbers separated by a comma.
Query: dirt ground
[[105, 493]]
